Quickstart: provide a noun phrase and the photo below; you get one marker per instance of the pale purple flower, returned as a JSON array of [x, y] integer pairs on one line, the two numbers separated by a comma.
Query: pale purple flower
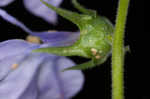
[[38, 9], [27, 75]]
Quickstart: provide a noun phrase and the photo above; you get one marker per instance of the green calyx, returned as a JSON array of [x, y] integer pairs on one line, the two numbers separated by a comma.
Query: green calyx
[[95, 36]]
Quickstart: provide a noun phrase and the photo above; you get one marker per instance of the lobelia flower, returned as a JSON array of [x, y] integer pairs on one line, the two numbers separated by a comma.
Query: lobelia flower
[[38, 8], [27, 75]]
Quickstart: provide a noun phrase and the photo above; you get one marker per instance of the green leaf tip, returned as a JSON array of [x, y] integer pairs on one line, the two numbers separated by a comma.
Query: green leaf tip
[[82, 66], [69, 15], [83, 9], [87, 65], [76, 18]]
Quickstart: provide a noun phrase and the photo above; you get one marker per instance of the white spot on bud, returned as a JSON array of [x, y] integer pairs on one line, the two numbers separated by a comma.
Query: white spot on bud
[[100, 51], [97, 56], [94, 51]]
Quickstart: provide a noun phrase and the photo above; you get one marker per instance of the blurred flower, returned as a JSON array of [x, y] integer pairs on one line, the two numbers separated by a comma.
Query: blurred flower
[[27, 75], [38, 9], [5, 2]]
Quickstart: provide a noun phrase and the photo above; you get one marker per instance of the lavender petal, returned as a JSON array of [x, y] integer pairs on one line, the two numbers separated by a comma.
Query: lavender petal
[[37, 8], [38, 75], [53, 38], [5, 2]]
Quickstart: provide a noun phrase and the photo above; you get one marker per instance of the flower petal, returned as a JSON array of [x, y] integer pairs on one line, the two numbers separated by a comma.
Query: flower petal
[[55, 84], [14, 85], [39, 9], [5, 2], [54, 38], [72, 80], [8, 64], [37, 75], [13, 20], [15, 47], [58, 38], [11, 53]]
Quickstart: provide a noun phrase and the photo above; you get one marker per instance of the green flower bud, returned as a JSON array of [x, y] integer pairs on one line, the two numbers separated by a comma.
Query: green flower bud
[[95, 36]]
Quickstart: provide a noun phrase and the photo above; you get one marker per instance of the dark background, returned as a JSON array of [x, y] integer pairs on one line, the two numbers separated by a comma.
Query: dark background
[[98, 80]]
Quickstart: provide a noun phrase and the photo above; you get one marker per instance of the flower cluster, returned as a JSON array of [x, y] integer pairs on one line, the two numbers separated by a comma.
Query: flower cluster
[[27, 75]]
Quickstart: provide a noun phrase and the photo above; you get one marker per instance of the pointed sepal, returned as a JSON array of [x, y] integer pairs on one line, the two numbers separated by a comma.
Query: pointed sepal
[[87, 65], [69, 15], [83, 9], [63, 51], [82, 66]]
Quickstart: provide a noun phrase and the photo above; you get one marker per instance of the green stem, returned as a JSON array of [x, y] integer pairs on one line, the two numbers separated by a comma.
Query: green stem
[[118, 51]]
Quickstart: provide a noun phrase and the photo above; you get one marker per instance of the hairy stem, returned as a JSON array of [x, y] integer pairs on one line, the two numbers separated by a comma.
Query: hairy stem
[[118, 51]]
